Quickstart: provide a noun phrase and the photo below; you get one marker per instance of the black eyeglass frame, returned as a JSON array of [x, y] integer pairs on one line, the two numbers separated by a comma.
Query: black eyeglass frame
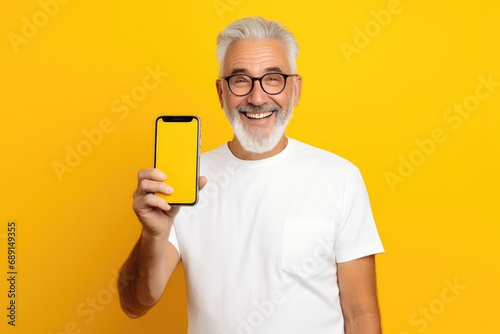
[[253, 79]]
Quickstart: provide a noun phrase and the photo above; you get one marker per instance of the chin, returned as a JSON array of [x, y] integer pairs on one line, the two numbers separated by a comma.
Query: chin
[[258, 144], [253, 139]]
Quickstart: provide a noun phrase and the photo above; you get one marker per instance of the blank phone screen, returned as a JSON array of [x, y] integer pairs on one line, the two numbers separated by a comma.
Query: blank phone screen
[[176, 154]]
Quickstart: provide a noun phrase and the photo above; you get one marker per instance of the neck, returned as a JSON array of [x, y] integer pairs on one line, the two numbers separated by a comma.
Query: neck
[[239, 152]]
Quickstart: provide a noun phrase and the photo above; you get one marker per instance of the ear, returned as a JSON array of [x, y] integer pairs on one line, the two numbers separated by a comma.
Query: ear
[[298, 90], [218, 85]]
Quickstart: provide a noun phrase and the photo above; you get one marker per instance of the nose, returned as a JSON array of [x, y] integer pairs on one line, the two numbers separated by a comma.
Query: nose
[[257, 96]]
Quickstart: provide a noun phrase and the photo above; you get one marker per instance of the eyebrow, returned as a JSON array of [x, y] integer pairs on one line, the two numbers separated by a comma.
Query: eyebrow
[[273, 69], [239, 70]]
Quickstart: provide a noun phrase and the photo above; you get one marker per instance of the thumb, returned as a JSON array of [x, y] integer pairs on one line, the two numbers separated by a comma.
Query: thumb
[[202, 182]]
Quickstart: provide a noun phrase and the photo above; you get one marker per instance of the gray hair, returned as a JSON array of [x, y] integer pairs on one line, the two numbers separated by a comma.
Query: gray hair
[[257, 28]]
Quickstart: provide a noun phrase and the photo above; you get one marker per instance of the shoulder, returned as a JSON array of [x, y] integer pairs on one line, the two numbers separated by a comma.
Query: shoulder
[[322, 159]]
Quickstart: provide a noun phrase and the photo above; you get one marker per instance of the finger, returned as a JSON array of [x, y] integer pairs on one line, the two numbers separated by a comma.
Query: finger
[[152, 174], [202, 181], [151, 201], [174, 209], [148, 186]]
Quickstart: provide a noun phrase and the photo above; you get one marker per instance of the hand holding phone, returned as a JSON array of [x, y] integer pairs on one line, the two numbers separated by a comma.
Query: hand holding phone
[[177, 150]]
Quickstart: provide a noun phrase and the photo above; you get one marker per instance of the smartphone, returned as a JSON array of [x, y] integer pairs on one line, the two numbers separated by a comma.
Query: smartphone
[[177, 154]]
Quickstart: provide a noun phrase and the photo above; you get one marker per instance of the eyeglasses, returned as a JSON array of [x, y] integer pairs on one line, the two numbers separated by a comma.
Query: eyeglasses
[[271, 83]]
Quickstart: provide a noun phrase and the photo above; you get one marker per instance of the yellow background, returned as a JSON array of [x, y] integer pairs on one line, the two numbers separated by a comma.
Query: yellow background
[[74, 232]]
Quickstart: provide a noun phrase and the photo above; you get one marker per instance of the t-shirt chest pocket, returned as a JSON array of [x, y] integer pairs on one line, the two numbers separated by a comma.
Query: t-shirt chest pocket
[[307, 245]]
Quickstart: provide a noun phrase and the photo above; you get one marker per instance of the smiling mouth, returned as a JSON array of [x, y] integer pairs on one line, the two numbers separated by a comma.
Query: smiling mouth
[[258, 115]]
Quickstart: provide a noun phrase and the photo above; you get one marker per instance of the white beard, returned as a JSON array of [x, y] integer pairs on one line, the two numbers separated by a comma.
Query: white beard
[[254, 139]]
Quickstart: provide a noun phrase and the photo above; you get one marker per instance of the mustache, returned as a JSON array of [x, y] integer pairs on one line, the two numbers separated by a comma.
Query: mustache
[[263, 108]]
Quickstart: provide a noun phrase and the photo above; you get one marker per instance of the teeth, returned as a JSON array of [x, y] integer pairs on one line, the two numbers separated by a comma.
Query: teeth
[[259, 115]]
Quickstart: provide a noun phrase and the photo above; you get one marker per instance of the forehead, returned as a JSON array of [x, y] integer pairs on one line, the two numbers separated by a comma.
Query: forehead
[[255, 57]]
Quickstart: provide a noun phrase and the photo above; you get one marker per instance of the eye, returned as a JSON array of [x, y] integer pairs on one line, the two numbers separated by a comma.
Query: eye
[[240, 80], [273, 79]]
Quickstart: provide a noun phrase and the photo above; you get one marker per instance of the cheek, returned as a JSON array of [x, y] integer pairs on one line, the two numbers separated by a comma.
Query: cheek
[[232, 102], [226, 99], [284, 99]]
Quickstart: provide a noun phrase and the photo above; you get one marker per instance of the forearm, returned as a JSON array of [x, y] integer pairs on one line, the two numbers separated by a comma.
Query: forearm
[[143, 277], [368, 323], [358, 296]]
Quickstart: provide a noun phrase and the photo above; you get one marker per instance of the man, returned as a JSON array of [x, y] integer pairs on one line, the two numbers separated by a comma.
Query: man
[[284, 241]]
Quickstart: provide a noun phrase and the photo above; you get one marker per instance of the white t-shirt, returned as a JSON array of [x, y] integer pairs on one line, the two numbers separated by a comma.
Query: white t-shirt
[[260, 248]]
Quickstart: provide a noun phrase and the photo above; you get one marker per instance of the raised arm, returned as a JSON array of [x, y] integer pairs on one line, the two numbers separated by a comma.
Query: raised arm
[[145, 273], [358, 296]]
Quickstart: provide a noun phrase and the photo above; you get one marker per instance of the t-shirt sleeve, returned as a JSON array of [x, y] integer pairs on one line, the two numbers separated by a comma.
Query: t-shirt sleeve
[[357, 235]]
